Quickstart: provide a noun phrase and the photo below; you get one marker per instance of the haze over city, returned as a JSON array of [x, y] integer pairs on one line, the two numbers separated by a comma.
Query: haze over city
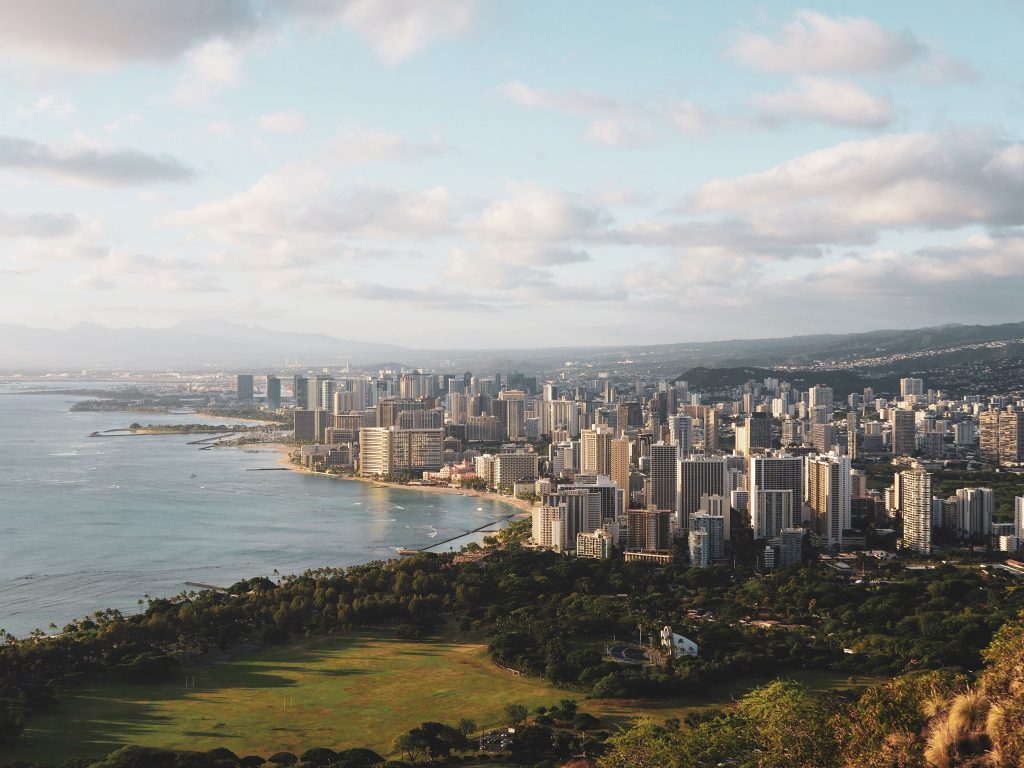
[[653, 172]]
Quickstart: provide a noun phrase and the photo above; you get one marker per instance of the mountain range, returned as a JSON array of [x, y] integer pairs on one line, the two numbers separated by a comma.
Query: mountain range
[[197, 345]]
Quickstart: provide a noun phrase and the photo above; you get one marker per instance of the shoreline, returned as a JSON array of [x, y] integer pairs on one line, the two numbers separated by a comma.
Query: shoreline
[[285, 453]]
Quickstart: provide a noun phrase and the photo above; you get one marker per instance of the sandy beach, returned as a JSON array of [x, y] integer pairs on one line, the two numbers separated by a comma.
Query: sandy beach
[[285, 460]]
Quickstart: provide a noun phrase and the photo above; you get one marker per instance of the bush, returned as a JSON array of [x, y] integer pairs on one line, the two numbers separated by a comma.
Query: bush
[[357, 758], [318, 757]]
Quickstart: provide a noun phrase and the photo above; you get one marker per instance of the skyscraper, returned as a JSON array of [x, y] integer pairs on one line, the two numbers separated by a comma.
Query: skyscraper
[[916, 505], [903, 432], [680, 430], [910, 387], [621, 467], [988, 436], [827, 493], [273, 392], [595, 451], [1011, 437], [648, 530], [710, 430], [244, 388], [300, 391], [1018, 516], [700, 548], [975, 507], [699, 476], [664, 477], [714, 527], [755, 435], [775, 473]]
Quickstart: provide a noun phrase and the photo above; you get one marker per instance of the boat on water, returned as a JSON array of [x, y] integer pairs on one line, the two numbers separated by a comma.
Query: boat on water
[[406, 552]]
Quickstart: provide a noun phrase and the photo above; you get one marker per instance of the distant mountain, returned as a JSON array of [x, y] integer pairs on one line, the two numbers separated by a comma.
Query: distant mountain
[[222, 345], [191, 345]]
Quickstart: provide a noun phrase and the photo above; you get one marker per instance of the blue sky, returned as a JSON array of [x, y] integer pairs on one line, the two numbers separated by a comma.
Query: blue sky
[[463, 173]]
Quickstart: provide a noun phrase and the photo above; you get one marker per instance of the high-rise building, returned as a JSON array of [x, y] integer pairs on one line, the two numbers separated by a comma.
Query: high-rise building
[[699, 476], [300, 391], [700, 548], [628, 415], [710, 430], [916, 507], [680, 430], [596, 450], [775, 512], [1011, 438], [714, 527], [607, 491], [311, 425], [719, 506], [664, 468], [511, 468], [791, 545], [823, 437], [621, 465], [391, 450], [549, 527], [244, 388], [304, 422], [755, 434], [911, 387], [988, 436], [819, 394], [1018, 516], [827, 493], [903, 432], [273, 392], [595, 544], [975, 507], [775, 473], [648, 530]]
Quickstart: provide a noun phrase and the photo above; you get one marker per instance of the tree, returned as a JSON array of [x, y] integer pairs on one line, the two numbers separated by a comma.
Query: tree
[[436, 740], [516, 713], [11, 724], [466, 726], [643, 746]]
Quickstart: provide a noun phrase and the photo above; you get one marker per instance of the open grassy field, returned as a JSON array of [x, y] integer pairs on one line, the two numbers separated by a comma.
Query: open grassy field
[[362, 690]]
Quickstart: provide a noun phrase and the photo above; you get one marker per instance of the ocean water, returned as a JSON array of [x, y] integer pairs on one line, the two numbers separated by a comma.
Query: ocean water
[[89, 523]]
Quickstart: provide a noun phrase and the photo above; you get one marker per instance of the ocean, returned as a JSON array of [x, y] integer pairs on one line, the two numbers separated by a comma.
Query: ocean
[[89, 523]]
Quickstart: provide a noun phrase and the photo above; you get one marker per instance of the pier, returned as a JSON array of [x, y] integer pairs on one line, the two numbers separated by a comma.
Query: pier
[[461, 535]]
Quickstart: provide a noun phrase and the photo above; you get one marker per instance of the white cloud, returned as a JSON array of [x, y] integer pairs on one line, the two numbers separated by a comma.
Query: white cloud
[[222, 128], [90, 163], [532, 212], [212, 67], [400, 29], [813, 42], [284, 121], [102, 33], [38, 225], [301, 203], [576, 102], [92, 282], [691, 119], [829, 100], [52, 106], [370, 147], [940, 181]]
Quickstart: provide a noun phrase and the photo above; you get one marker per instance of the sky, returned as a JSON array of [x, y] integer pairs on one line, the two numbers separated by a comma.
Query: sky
[[515, 173]]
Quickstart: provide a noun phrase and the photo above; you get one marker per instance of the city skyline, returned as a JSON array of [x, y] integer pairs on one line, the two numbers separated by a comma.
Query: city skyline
[[647, 172]]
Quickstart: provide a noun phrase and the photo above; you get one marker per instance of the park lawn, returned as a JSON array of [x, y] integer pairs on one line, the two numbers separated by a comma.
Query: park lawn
[[360, 690]]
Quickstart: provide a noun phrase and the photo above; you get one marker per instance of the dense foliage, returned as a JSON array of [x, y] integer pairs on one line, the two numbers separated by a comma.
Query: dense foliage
[[551, 616]]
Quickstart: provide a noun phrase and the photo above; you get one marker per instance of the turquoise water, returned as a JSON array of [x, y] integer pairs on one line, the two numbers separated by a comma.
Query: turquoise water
[[90, 523]]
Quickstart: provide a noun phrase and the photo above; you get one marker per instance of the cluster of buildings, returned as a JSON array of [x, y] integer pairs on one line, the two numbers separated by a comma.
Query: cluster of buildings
[[654, 470]]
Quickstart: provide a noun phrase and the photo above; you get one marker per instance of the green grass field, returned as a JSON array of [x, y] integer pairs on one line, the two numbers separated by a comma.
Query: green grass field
[[358, 691]]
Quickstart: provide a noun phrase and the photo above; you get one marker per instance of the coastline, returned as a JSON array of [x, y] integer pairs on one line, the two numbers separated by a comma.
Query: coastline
[[285, 460]]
